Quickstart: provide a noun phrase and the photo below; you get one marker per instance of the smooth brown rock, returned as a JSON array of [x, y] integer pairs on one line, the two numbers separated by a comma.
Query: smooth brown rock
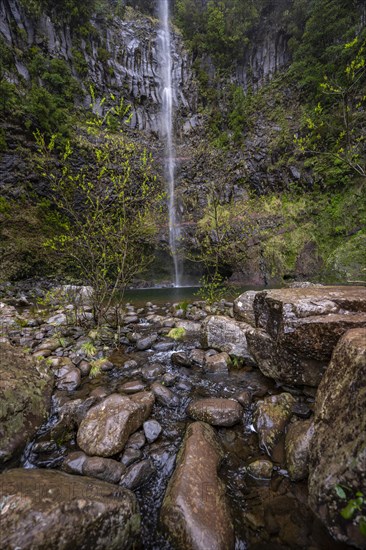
[[108, 425], [338, 449], [46, 509], [298, 442], [216, 411], [195, 512], [270, 419], [25, 400]]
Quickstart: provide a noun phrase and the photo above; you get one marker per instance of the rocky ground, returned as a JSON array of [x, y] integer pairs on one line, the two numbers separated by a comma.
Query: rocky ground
[[191, 427]]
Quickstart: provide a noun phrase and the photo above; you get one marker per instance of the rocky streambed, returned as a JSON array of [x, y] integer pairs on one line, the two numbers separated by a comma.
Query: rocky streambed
[[194, 426]]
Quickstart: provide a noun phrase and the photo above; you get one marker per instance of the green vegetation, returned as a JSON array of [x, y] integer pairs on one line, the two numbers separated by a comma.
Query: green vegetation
[[96, 368], [89, 349], [110, 205], [355, 508], [177, 333]]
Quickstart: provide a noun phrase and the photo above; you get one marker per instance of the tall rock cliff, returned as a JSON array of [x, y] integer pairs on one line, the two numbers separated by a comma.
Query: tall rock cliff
[[114, 55]]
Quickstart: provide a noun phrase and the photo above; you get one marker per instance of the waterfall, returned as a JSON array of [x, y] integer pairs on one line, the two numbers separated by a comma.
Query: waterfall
[[167, 133]]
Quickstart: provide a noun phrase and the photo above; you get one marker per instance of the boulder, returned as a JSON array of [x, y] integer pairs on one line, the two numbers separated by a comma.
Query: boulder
[[271, 418], [225, 334], [107, 426], [25, 400], [298, 441], [195, 512], [338, 450], [298, 328], [218, 364], [216, 411], [48, 509], [243, 307]]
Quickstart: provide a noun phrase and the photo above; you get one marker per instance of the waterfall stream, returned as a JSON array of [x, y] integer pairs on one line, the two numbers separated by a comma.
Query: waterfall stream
[[167, 133]]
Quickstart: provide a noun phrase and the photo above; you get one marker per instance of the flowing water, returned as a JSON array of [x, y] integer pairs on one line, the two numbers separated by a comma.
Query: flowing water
[[167, 133]]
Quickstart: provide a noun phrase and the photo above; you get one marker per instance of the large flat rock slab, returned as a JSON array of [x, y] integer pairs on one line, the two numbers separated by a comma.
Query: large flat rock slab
[[298, 328], [338, 447], [25, 399], [195, 513], [43, 509]]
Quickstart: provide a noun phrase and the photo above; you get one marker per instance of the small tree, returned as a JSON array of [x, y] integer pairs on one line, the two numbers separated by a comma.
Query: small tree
[[110, 206]]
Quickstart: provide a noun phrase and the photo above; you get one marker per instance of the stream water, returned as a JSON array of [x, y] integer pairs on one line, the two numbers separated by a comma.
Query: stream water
[[269, 514]]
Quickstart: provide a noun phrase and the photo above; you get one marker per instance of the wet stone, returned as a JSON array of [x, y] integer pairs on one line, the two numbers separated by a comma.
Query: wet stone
[[164, 395], [244, 398], [146, 343], [144, 399], [105, 469], [218, 363], [107, 426], [136, 441], [130, 456], [151, 372], [270, 419], [216, 411], [260, 469], [73, 463], [181, 359], [137, 475], [169, 379], [133, 386], [129, 365], [152, 430], [163, 346], [302, 410], [195, 513], [298, 443], [106, 365], [197, 357], [73, 510], [84, 367]]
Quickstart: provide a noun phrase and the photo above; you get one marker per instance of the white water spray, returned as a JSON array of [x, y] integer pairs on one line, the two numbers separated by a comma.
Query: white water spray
[[167, 132]]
